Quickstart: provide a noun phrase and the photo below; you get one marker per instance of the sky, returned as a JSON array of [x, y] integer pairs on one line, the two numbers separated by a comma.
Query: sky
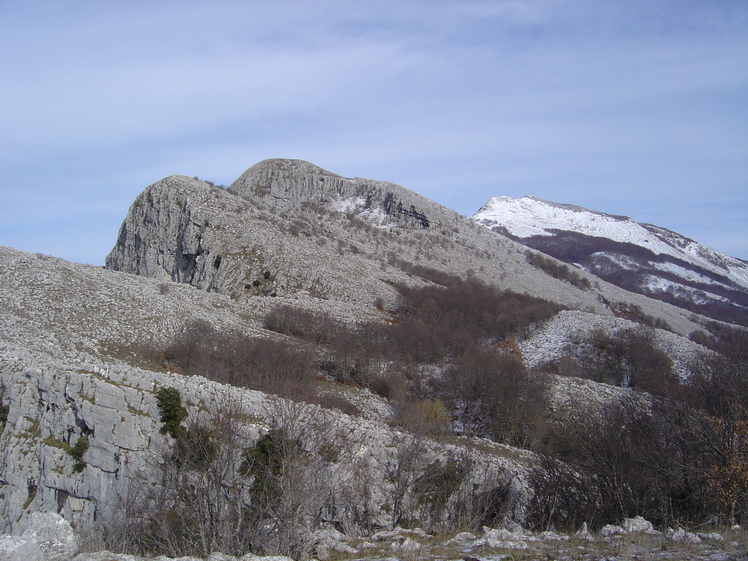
[[636, 107]]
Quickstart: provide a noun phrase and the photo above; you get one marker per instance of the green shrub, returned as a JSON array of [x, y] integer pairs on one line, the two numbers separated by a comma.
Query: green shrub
[[169, 403], [76, 452], [267, 463], [3, 417]]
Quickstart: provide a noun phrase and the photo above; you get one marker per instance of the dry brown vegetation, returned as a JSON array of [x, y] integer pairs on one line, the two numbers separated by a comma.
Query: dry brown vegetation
[[675, 452]]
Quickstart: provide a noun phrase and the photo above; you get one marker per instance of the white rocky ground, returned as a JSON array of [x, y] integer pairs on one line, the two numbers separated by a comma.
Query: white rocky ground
[[569, 331], [50, 538]]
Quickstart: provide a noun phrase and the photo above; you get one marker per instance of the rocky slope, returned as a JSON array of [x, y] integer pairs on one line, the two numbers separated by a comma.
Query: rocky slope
[[72, 362], [639, 257], [82, 348]]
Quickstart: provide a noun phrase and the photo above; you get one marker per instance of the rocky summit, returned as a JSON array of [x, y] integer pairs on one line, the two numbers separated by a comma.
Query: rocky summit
[[309, 365]]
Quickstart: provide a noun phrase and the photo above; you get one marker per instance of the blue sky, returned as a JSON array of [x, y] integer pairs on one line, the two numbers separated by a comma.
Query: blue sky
[[637, 108]]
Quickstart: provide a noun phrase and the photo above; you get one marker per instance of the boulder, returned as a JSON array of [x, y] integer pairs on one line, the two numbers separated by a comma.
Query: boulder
[[610, 530], [637, 524], [500, 539], [48, 537], [408, 545], [682, 536], [584, 533], [15, 548]]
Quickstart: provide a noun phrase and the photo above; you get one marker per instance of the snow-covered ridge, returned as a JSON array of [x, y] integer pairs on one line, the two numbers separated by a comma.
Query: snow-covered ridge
[[532, 216], [529, 216]]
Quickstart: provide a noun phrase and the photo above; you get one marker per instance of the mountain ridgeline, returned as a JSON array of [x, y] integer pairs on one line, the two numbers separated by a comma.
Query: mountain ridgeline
[[325, 236], [642, 258], [302, 356]]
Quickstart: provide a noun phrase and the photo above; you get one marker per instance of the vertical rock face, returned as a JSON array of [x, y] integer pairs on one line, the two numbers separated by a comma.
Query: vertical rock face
[[279, 216], [50, 408], [286, 186], [160, 238]]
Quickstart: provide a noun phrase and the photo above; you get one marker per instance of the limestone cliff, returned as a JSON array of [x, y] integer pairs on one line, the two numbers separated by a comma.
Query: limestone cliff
[[287, 185]]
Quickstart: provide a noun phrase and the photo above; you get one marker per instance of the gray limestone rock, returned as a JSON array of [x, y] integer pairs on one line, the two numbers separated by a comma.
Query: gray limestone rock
[[48, 537], [15, 548]]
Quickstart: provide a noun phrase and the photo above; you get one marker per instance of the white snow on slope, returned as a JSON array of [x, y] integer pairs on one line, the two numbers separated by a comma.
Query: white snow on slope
[[530, 216], [568, 333]]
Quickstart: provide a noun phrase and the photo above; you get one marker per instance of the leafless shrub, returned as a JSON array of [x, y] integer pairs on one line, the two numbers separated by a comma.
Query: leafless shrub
[[318, 327], [563, 497], [627, 358], [557, 269], [434, 487], [279, 367], [491, 394]]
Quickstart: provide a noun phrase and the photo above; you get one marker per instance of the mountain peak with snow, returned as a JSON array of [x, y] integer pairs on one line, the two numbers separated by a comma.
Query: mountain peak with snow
[[532, 216], [642, 257]]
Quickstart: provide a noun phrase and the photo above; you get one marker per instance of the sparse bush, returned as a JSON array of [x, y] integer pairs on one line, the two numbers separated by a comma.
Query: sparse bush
[[382, 386], [318, 327], [434, 487], [333, 401], [633, 312], [423, 416], [474, 309], [194, 448], [279, 367], [491, 394], [564, 496], [626, 358]]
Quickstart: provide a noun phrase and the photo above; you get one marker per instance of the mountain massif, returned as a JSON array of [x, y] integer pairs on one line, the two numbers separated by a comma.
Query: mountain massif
[[301, 355], [640, 257]]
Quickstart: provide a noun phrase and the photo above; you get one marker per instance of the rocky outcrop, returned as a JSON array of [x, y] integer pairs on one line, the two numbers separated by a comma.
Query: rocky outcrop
[[48, 537], [185, 230], [160, 238], [285, 186]]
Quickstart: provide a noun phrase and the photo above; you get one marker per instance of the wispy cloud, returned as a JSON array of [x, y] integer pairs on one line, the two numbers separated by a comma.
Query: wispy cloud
[[621, 106]]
